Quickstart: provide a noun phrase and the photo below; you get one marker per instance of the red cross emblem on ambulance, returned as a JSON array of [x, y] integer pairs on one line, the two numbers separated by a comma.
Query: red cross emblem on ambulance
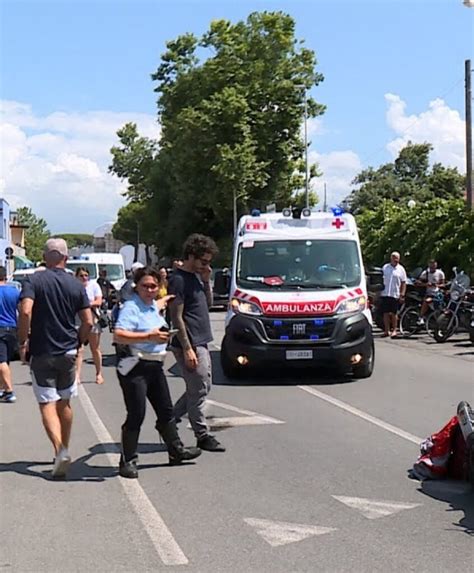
[[338, 223]]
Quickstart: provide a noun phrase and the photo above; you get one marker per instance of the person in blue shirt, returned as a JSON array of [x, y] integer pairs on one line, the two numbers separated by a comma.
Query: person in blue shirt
[[9, 298], [141, 333]]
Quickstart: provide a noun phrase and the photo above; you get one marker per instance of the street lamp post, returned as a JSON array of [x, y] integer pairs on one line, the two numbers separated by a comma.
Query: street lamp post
[[235, 211], [306, 178], [306, 169]]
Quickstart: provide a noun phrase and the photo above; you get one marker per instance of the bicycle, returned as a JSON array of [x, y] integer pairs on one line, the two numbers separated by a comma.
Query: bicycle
[[411, 321]]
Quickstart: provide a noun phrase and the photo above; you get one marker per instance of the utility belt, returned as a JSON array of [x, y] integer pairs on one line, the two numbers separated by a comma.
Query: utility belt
[[129, 357], [148, 356]]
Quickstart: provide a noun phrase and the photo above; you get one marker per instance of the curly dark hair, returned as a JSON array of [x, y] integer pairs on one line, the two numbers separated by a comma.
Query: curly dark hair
[[198, 246]]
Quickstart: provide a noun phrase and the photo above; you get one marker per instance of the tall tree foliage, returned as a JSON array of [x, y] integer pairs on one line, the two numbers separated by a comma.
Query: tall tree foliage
[[408, 177], [133, 160], [36, 234], [77, 239], [439, 228], [230, 107]]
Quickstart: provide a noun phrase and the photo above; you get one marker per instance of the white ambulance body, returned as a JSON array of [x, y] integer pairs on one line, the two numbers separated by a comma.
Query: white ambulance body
[[298, 294]]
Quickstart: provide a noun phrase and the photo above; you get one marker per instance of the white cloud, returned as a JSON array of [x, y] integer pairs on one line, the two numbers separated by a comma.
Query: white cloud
[[338, 169], [57, 163], [439, 125]]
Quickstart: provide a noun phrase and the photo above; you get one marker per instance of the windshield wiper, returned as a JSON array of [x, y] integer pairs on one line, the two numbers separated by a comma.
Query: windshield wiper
[[322, 285], [262, 283]]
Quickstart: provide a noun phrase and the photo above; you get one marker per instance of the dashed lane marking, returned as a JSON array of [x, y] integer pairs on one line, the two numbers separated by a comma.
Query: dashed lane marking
[[356, 412], [161, 537]]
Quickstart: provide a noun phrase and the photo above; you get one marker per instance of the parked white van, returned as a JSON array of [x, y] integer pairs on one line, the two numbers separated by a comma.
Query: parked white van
[[94, 262]]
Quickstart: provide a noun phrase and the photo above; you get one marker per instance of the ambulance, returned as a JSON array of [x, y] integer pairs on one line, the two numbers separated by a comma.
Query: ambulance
[[298, 295]]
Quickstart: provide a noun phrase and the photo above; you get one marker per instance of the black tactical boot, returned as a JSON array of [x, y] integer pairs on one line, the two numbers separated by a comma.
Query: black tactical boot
[[128, 469], [129, 457]]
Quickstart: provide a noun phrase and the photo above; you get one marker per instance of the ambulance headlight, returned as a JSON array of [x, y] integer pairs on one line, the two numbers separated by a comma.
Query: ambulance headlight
[[352, 305], [240, 306]]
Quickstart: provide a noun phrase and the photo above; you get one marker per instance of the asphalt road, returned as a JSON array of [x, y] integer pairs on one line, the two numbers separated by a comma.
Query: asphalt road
[[314, 477]]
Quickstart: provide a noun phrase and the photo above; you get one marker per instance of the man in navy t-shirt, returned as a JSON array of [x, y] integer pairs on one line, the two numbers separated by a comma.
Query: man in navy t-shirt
[[190, 285], [9, 298], [50, 301]]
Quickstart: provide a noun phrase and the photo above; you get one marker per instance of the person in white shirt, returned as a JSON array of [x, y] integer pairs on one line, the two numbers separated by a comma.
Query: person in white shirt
[[433, 279], [395, 284], [94, 294]]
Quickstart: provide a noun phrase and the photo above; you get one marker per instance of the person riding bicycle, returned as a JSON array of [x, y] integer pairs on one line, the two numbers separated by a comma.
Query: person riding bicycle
[[433, 279]]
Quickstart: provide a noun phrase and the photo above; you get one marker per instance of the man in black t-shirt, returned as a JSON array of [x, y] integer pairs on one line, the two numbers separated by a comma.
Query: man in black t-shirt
[[49, 303], [190, 315]]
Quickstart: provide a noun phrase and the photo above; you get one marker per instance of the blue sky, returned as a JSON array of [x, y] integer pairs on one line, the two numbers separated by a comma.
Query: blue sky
[[73, 71]]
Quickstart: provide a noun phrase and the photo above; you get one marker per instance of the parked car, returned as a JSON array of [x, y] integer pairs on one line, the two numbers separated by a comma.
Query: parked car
[[220, 284]]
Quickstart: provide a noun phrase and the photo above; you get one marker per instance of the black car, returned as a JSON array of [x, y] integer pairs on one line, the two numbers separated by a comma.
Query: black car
[[220, 284]]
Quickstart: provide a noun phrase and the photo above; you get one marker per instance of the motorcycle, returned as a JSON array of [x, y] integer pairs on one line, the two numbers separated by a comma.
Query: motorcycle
[[458, 311]]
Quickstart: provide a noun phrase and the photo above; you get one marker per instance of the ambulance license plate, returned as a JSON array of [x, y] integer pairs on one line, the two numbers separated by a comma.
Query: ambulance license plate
[[299, 354]]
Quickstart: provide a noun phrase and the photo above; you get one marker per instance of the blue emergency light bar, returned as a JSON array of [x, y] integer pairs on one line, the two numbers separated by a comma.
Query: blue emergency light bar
[[337, 211]]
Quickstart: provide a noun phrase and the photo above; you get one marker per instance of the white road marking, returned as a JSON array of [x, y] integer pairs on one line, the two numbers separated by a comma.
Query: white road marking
[[373, 509], [161, 537], [248, 419], [281, 533], [234, 421], [372, 419], [264, 419]]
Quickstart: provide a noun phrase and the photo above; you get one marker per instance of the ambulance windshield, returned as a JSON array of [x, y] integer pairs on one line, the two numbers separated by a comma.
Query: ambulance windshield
[[298, 264]]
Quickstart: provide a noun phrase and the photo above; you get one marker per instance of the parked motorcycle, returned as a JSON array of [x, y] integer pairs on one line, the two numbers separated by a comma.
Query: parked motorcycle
[[458, 311]]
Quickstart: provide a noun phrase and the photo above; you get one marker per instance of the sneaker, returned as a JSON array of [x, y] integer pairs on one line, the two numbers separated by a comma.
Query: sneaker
[[210, 444], [7, 397], [420, 321], [61, 463], [128, 469]]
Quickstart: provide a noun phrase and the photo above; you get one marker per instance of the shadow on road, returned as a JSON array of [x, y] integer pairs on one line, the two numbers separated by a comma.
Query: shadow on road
[[80, 469], [276, 376], [458, 495]]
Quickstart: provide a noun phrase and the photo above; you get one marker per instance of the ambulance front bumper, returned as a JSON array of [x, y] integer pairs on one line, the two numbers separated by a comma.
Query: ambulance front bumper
[[263, 341]]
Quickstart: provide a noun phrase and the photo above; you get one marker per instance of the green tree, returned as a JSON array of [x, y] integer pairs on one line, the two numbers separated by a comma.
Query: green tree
[[439, 228], [133, 160], [134, 225], [76, 239], [409, 177], [36, 234], [231, 126]]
